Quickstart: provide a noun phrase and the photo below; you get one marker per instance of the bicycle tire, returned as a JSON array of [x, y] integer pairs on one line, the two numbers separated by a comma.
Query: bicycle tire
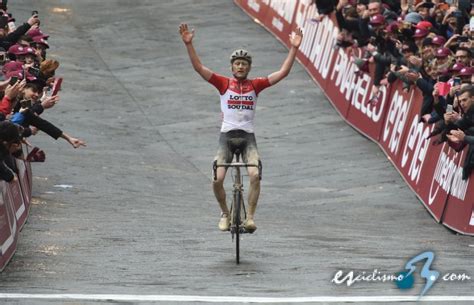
[[236, 220]]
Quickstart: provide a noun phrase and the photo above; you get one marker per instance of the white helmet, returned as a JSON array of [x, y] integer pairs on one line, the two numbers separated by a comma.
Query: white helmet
[[241, 54]]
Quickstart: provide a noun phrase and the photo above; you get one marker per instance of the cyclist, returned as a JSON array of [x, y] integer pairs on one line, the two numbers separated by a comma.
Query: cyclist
[[238, 97]]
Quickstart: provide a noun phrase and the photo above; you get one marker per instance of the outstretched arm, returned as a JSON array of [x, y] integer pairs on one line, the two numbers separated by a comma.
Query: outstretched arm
[[295, 41], [187, 37]]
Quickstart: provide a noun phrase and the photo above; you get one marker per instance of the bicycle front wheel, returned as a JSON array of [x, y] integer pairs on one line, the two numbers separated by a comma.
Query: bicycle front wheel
[[236, 221]]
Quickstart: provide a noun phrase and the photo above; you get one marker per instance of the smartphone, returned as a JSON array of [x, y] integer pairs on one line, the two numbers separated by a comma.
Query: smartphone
[[456, 81], [449, 108], [56, 86], [34, 13], [13, 80]]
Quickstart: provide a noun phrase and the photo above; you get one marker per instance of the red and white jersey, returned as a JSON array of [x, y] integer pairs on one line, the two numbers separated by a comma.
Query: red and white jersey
[[238, 100]]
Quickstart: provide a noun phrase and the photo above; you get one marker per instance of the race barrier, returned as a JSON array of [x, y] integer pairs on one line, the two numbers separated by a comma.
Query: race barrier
[[15, 202], [433, 172]]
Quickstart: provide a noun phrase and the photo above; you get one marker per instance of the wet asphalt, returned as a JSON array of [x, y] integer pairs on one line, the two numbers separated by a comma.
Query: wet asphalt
[[133, 213]]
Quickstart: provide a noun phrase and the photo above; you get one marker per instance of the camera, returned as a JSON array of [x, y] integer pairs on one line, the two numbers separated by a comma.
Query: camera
[[457, 14], [34, 71], [34, 13], [13, 80]]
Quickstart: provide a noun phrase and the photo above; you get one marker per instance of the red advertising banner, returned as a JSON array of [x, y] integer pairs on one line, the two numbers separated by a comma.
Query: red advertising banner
[[330, 67], [24, 182], [15, 197], [365, 115], [279, 19], [393, 132], [459, 213], [8, 227], [255, 8]]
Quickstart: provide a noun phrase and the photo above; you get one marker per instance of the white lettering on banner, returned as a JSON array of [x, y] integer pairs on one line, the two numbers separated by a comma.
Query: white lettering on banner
[[359, 97], [360, 92], [345, 74], [448, 176], [418, 145], [323, 51], [397, 116], [308, 39], [458, 186], [471, 222], [254, 5], [11, 221], [304, 10], [284, 8], [277, 24], [340, 67]]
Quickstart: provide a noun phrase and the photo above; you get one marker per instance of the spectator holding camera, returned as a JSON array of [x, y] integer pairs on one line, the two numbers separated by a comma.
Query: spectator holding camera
[[7, 39], [28, 109]]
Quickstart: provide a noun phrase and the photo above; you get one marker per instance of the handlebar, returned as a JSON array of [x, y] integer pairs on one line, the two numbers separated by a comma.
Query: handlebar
[[236, 165]]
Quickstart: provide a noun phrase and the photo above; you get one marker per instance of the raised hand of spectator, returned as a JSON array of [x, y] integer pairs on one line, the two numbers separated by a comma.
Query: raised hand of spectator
[[403, 69], [371, 48], [12, 91], [404, 6], [454, 89], [412, 76], [365, 14], [342, 4], [33, 20], [398, 43], [451, 40], [435, 90], [456, 136], [414, 60], [451, 10], [451, 117], [384, 82], [50, 101]]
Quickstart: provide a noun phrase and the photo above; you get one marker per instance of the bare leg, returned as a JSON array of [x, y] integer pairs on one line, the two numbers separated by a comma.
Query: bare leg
[[254, 191], [218, 188]]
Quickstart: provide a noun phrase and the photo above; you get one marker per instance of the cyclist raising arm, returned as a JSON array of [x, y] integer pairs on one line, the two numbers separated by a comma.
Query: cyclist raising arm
[[238, 97]]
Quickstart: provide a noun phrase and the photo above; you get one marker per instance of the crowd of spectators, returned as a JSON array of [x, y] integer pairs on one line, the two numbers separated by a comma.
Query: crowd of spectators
[[28, 87], [425, 44]]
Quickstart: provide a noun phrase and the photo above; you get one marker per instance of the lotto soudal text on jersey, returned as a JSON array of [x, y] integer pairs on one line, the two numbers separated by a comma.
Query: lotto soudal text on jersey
[[238, 101]]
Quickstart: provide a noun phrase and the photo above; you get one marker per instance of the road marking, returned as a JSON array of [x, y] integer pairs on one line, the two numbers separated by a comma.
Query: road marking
[[234, 299]]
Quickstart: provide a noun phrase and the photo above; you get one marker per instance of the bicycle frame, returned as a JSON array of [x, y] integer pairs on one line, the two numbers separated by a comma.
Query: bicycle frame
[[238, 204]]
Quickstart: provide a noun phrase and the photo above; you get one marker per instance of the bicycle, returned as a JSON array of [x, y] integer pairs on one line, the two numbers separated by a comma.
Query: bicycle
[[237, 208]]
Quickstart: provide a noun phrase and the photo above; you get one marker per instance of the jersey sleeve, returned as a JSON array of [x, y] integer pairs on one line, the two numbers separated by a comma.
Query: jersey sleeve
[[260, 83], [220, 82]]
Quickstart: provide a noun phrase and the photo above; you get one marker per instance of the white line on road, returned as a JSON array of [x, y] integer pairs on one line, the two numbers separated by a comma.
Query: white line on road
[[234, 299]]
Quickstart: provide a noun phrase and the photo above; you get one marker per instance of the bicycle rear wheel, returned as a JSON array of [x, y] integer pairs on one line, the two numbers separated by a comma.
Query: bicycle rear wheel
[[236, 222]]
